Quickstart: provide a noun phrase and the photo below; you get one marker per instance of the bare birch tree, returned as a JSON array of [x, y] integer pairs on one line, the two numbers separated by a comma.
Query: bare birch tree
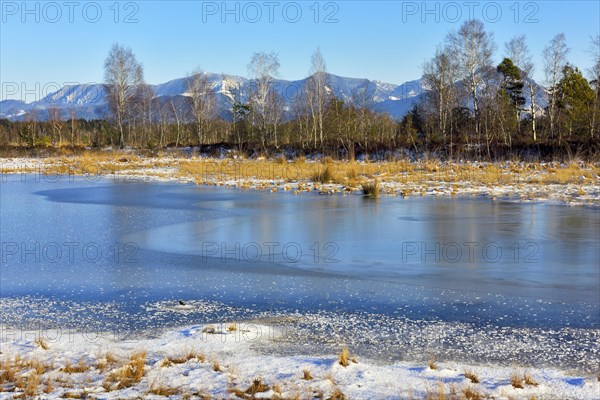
[[473, 48], [517, 50], [555, 59], [56, 122], [595, 80], [439, 77], [263, 68], [200, 91], [317, 93], [122, 76]]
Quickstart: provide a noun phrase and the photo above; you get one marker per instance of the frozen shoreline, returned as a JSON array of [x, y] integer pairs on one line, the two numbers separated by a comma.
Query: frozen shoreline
[[238, 174], [220, 361], [278, 362], [278, 351]]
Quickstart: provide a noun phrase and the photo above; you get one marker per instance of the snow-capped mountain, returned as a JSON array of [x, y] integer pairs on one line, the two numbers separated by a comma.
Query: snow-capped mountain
[[89, 100]]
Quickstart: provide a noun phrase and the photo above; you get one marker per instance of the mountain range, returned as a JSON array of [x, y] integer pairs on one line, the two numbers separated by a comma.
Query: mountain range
[[88, 100]]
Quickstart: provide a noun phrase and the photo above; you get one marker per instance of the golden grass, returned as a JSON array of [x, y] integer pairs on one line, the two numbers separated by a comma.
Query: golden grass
[[257, 386], [129, 374], [209, 329], [9, 370], [412, 175], [78, 368], [41, 343], [49, 388], [324, 176], [442, 393], [528, 379], [187, 395], [216, 366], [107, 360], [337, 394], [472, 394], [162, 390], [12, 370], [431, 363], [371, 189], [344, 358], [165, 363], [472, 376], [352, 172], [516, 381], [31, 388], [232, 328], [190, 355], [306, 375], [76, 395]]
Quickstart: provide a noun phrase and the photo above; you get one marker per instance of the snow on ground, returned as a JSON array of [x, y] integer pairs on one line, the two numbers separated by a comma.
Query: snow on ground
[[220, 361], [584, 193]]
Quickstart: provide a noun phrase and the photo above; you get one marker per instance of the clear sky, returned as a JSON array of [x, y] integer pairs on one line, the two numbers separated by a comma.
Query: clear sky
[[48, 43]]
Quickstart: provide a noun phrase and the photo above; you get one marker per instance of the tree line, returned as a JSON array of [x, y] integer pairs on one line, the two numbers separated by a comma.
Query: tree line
[[471, 107]]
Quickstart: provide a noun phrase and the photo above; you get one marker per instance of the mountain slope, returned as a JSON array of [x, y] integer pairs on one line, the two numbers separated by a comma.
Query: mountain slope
[[89, 100]]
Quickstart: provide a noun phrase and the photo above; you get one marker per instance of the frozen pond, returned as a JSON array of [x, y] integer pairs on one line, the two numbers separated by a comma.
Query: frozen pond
[[106, 254]]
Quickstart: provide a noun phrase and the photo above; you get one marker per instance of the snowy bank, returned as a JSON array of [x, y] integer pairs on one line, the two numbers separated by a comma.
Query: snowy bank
[[221, 361]]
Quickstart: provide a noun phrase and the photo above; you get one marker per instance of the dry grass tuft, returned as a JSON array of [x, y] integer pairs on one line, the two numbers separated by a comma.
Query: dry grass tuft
[[129, 374], [49, 387], [371, 189], [344, 358], [516, 381], [162, 390], [528, 379], [232, 328], [106, 361], [337, 394], [23, 373], [431, 363], [306, 375], [519, 381], [324, 176], [442, 393], [406, 192], [78, 368], [32, 386], [165, 363], [257, 386], [352, 173], [190, 355], [217, 366], [209, 329], [73, 395], [472, 394], [9, 369], [472, 376], [41, 343]]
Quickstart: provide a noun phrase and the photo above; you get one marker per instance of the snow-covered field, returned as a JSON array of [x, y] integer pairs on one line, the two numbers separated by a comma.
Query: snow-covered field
[[221, 361]]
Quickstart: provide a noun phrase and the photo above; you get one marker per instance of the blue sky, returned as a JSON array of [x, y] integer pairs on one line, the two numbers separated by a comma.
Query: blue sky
[[47, 43]]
